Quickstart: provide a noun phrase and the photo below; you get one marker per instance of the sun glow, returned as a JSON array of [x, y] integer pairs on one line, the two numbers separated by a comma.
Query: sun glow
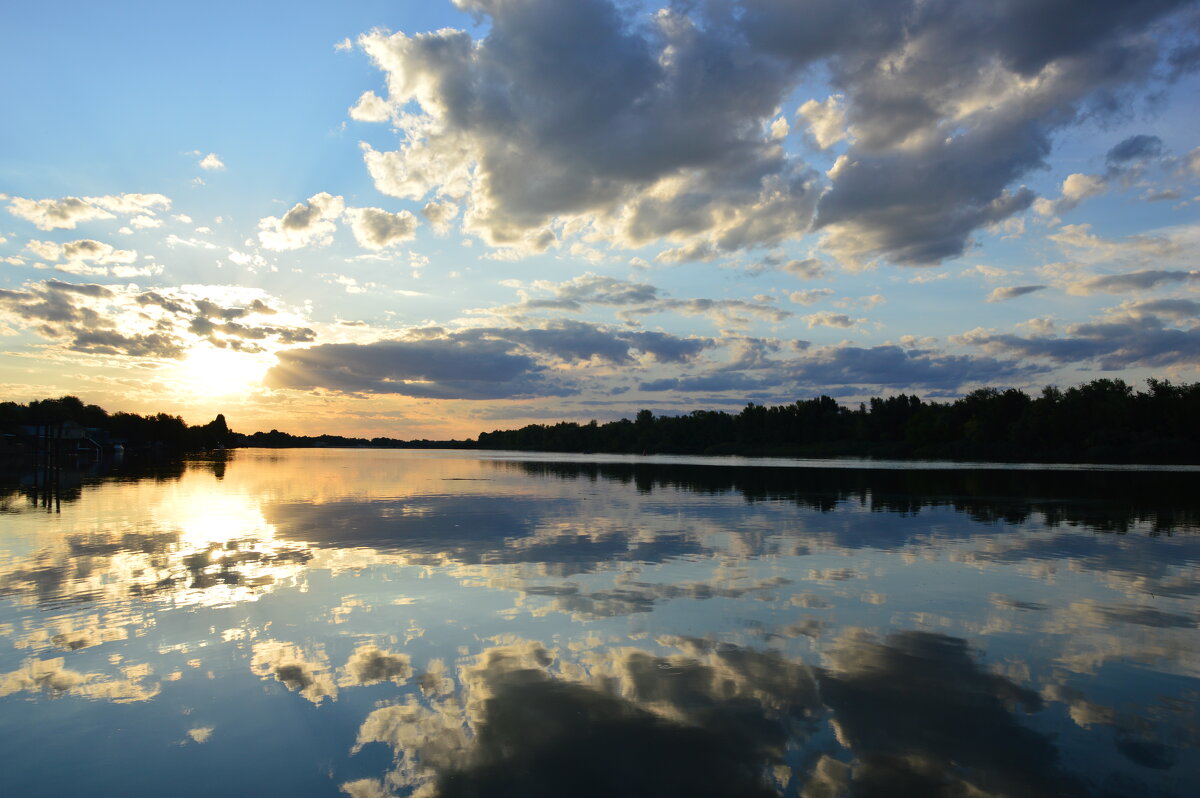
[[208, 371]]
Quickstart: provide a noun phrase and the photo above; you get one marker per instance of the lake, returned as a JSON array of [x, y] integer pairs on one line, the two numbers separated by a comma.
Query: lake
[[369, 623]]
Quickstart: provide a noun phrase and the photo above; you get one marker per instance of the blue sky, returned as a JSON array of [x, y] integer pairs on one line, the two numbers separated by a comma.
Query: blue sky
[[431, 219]]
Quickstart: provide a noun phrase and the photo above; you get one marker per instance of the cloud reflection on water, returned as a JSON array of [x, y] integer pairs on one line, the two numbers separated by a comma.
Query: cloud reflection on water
[[810, 632]]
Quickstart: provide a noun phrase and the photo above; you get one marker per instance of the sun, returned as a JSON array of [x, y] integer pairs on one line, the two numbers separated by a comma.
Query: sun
[[209, 371]]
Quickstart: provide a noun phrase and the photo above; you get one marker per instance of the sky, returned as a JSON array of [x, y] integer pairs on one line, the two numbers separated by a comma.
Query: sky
[[427, 219]]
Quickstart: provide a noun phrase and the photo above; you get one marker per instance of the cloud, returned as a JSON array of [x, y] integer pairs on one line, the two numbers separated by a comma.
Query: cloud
[[446, 368], [1171, 243], [1143, 280], [807, 269], [473, 363], [309, 223], [723, 312], [810, 296], [943, 110], [66, 213], [633, 128], [1013, 291], [890, 366], [88, 257], [370, 107], [830, 319], [826, 120], [1135, 148], [440, 214], [124, 321], [1076, 188], [211, 162], [948, 110], [1133, 337], [596, 289], [375, 228]]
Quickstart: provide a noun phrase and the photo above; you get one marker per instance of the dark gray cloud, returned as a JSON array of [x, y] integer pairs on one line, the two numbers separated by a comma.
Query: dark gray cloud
[[1013, 291], [450, 368], [896, 367], [1142, 280], [1117, 342], [111, 342], [477, 363], [1135, 148], [846, 370], [922, 174], [724, 381]]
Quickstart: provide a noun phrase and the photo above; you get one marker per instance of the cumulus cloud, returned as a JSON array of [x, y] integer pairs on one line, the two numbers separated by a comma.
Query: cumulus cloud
[[66, 213], [440, 214], [370, 107], [309, 223], [666, 127], [826, 120], [948, 111], [630, 128], [375, 228], [88, 257], [122, 320], [211, 162], [1013, 291], [1075, 189]]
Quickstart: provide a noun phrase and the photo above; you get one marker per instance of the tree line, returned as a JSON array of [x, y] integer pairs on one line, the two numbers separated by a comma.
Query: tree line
[[1105, 420], [1102, 421], [172, 433], [159, 430]]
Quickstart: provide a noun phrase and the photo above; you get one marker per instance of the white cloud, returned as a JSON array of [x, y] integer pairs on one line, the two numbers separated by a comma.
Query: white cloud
[[826, 120], [211, 162], [66, 213], [88, 257], [370, 107], [440, 214], [810, 296], [310, 223]]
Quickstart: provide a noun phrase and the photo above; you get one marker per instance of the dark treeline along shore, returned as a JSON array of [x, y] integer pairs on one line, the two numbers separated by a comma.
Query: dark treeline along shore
[[1103, 421]]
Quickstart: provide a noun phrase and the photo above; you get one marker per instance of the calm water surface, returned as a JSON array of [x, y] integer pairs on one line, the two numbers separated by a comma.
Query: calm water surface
[[375, 623]]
